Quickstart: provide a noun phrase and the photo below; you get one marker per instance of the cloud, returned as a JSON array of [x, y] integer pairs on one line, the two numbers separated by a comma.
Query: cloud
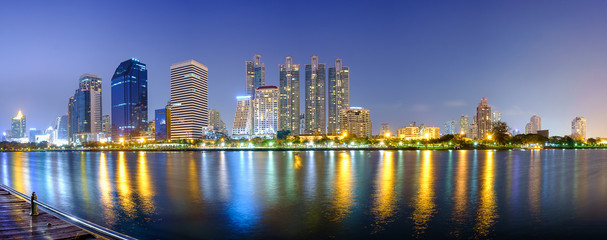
[[455, 103], [420, 108]]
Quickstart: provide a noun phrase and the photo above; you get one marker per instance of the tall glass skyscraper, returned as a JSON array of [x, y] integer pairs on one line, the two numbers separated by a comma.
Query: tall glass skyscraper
[[289, 96], [315, 97], [339, 94], [18, 125], [256, 75], [129, 100]]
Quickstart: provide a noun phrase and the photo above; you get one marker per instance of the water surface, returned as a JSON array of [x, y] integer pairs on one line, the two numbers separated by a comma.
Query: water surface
[[324, 194]]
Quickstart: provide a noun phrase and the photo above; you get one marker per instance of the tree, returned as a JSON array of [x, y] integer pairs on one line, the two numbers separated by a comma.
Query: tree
[[499, 132]]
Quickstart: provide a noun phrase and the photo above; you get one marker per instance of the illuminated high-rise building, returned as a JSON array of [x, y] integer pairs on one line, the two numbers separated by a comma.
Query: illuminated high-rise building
[[356, 121], [242, 127], [255, 75], [450, 128], [483, 119], [106, 124], [18, 126], [129, 100], [578, 128], [215, 121], [535, 124], [339, 94], [315, 97], [289, 96], [189, 100], [496, 116], [266, 112], [464, 125], [86, 109], [162, 119]]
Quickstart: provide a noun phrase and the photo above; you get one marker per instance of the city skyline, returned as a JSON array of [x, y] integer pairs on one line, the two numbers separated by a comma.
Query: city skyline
[[531, 88]]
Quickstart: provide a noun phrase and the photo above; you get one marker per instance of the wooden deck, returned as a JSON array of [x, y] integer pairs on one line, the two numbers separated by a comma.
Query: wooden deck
[[16, 223]]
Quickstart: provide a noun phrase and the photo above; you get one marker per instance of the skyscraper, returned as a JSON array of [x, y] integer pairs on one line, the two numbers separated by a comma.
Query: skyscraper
[[289, 96], [356, 121], [315, 97], [70, 120], [215, 121], [464, 124], [496, 116], [189, 100], [61, 126], [106, 124], [450, 128], [536, 124], [265, 112], [162, 119], [243, 118], [256, 75], [86, 109], [339, 94], [483, 119], [129, 100], [578, 128], [18, 126]]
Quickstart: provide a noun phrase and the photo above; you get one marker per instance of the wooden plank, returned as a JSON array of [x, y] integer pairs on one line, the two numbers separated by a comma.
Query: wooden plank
[[16, 223]]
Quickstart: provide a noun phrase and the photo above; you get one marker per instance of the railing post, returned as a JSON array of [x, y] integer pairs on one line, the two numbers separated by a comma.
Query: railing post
[[34, 205]]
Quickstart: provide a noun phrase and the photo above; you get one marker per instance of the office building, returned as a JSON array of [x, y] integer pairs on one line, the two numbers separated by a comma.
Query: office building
[[483, 119], [129, 100], [106, 124], [315, 97], [496, 116], [85, 113], [430, 132], [544, 133], [408, 132], [255, 75], [578, 128], [189, 100], [61, 128], [242, 127], [450, 128], [289, 97], [536, 124], [18, 127], [266, 112], [339, 94], [162, 119], [464, 125], [356, 121]]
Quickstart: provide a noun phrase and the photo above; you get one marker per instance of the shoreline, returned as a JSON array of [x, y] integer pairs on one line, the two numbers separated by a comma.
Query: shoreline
[[298, 149]]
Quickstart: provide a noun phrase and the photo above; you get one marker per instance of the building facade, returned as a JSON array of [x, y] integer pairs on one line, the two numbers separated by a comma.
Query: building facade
[[242, 127], [255, 75], [129, 100], [536, 124], [18, 126], [483, 119], [496, 116], [578, 128], [189, 100], [86, 109], [450, 128], [289, 97], [339, 94], [162, 120], [266, 112], [356, 121], [315, 97], [464, 125]]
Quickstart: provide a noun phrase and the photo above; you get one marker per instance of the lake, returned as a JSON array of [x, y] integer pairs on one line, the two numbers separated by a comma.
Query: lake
[[324, 194]]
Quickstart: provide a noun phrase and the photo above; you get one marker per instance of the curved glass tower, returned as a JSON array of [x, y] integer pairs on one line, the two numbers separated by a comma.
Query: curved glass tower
[[129, 100]]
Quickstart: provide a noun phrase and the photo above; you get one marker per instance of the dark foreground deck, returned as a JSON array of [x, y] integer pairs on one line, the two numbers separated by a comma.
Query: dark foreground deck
[[16, 223]]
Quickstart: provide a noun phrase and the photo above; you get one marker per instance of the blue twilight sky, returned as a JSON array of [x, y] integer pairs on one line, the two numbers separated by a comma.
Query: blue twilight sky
[[423, 61]]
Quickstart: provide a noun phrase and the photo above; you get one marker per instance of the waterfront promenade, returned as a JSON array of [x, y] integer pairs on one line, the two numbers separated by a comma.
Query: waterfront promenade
[[16, 222]]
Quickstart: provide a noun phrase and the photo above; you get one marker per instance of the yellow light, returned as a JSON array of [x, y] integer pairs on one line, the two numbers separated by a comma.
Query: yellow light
[[387, 135], [345, 134], [489, 136], [141, 140], [461, 133], [19, 115], [121, 140]]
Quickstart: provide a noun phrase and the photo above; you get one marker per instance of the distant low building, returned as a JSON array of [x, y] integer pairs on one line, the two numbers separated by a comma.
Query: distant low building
[[544, 133]]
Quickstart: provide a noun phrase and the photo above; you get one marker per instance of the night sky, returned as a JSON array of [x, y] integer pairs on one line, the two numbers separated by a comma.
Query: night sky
[[420, 61]]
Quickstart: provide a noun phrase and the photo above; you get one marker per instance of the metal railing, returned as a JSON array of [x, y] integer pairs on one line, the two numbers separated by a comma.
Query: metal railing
[[84, 224]]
